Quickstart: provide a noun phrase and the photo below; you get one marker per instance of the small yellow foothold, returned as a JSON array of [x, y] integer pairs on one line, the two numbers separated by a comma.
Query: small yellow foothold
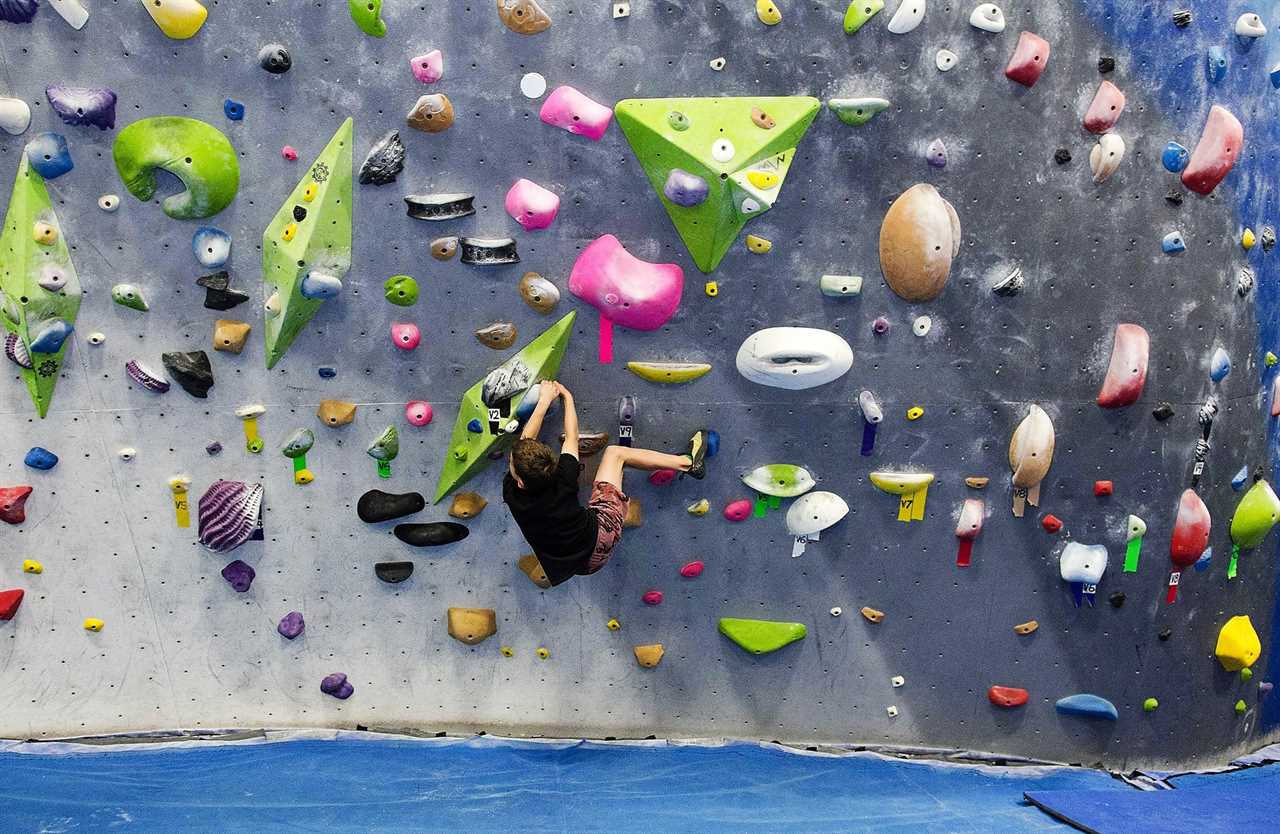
[[915, 412], [303, 477], [758, 245], [93, 624], [700, 507], [1271, 359], [507, 651], [768, 13], [1247, 239], [613, 625], [309, 193], [289, 231], [763, 179], [44, 234], [712, 289], [543, 653], [32, 566]]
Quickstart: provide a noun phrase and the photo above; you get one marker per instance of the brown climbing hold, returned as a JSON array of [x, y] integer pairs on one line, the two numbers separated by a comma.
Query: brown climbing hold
[[919, 238], [976, 482], [444, 248], [649, 656], [1026, 628], [762, 119], [432, 113], [230, 336], [472, 625], [524, 17], [590, 442], [467, 505], [538, 292], [872, 614], [635, 514], [533, 569], [500, 335], [336, 412]]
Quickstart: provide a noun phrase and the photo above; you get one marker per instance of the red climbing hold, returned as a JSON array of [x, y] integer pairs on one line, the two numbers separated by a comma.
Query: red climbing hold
[[738, 510], [9, 602], [13, 502], [1028, 60], [1104, 112], [1127, 371], [1101, 488], [1215, 153], [1051, 523], [652, 598], [1007, 696], [692, 570], [662, 477], [1190, 531]]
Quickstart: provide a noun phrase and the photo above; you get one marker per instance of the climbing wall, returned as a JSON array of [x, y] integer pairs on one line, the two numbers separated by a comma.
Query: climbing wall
[[181, 649]]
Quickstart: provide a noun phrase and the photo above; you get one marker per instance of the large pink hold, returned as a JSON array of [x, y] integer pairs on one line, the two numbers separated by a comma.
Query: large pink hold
[[738, 510], [662, 477], [652, 598], [692, 570], [405, 336], [531, 205], [627, 291], [1216, 152], [1104, 112], [1028, 60], [418, 412], [1127, 373], [577, 113], [428, 68]]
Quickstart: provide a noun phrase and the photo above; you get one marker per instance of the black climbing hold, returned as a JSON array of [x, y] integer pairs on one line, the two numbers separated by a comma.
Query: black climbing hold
[[479, 251], [1106, 64], [191, 370], [1268, 237], [439, 206], [218, 294], [1257, 473], [393, 572], [1162, 412], [214, 448], [1182, 18], [1166, 633], [431, 534], [1175, 196], [327, 371], [1062, 156], [376, 505], [384, 162], [1116, 599], [299, 213], [274, 58]]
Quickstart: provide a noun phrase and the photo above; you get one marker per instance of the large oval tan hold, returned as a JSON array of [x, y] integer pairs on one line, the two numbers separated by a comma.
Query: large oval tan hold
[[467, 505], [524, 17], [1030, 455], [336, 412], [919, 238], [472, 625], [649, 656]]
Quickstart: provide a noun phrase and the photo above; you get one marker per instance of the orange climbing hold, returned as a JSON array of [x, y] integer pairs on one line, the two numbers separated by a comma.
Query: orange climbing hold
[[1007, 696], [1051, 523]]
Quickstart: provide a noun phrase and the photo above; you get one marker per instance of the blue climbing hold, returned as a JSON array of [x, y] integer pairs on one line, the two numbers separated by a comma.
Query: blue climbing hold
[[211, 246], [1216, 64], [51, 337], [40, 458], [1241, 478], [528, 403], [475, 426], [1174, 157], [49, 155], [1219, 365], [233, 109], [1090, 706], [1173, 243], [318, 285], [713, 443], [1275, 76], [328, 372], [1202, 564]]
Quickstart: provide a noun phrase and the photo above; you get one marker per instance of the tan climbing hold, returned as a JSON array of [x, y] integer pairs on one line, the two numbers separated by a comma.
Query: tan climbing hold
[[919, 237], [433, 113], [524, 17], [500, 335], [444, 248], [977, 482], [230, 336], [533, 569], [649, 656], [538, 292], [336, 412], [635, 514], [467, 505], [472, 625], [762, 119], [1027, 627], [872, 614]]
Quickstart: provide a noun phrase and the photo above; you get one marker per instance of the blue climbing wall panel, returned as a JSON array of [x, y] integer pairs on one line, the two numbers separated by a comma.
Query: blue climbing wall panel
[[181, 649]]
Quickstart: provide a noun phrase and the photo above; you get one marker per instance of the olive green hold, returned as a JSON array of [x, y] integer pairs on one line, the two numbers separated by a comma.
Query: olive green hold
[[401, 290], [1241, 707], [856, 111], [1246, 674], [1150, 705], [678, 120]]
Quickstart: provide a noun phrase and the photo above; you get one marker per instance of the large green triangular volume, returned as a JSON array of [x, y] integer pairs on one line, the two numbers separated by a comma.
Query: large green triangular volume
[[38, 283], [469, 451], [310, 233], [690, 134], [761, 636]]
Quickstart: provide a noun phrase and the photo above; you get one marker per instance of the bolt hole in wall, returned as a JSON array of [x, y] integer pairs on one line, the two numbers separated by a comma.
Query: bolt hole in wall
[[104, 521]]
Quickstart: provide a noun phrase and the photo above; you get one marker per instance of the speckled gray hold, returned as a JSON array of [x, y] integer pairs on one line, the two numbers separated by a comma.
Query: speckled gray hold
[[385, 160]]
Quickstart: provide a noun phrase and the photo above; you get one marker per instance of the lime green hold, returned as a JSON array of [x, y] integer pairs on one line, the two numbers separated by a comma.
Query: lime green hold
[[1271, 359], [742, 147], [857, 111], [859, 12], [368, 16], [1150, 705], [761, 636], [1241, 707], [196, 153], [1256, 514], [401, 290], [1246, 674]]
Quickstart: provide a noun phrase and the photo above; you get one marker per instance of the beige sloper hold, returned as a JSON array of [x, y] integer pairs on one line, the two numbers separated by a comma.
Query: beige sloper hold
[[872, 614], [635, 513], [532, 568], [472, 625], [649, 656], [919, 238], [229, 336], [1030, 455], [524, 17], [432, 113], [467, 505], [1026, 628], [336, 413]]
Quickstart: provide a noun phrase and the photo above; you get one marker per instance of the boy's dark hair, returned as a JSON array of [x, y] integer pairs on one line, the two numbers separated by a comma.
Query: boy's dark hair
[[534, 462]]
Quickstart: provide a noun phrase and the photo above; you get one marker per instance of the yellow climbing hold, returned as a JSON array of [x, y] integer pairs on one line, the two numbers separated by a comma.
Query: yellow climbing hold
[[872, 615], [1271, 359], [712, 289], [915, 412], [179, 19], [768, 12], [669, 372], [763, 180], [700, 507], [44, 234], [309, 193], [507, 651], [1241, 707], [289, 231], [93, 624], [1238, 644], [758, 245], [302, 477], [1247, 239], [179, 485], [649, 656], [912, 488], [613, 625], [472, 625], [543, 654], [32, 566]]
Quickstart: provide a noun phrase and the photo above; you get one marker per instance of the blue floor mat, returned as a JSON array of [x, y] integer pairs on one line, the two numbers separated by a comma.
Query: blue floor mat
[[376, 784]]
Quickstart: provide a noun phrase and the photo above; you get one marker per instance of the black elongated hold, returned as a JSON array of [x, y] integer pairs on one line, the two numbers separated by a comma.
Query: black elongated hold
[[1182, 18], [439, 206], [376, 505], [431, 534], [218, 294], [487, 251], [385, 160], [1174, 196], [191, 370], [393, 572], [1162, 412]]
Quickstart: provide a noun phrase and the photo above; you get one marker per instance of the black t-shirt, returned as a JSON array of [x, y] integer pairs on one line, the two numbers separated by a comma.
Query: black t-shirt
[[561, 531]]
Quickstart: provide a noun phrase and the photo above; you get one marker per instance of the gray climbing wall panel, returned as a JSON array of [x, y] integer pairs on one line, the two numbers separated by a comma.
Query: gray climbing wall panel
[[180, 649]]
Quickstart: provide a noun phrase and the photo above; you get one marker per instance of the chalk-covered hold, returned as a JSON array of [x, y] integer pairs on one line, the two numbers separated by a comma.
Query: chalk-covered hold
[[1220, 144], [428, 68], [531, 205], [91, 106], [1250, 26], [1105, 110], [859, 12], [857, 111], [909, 15], [685, 189], [988, 17], [919, 237], [1106, 156], [1028, 60], [15, 115], [1215, 64], [49, 155], [1127, 371], [524, 17], [944, 60], [794, 357], [432, 113]]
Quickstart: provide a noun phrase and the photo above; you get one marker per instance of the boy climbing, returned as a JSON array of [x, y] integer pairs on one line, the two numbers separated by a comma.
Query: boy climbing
[[542, 491]]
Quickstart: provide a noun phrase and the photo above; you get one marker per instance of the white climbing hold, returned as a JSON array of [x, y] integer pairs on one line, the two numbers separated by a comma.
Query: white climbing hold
[[1250, 25], [1105, 157], [837, 611], [533, 85], [907, 17], [922, 325], [716, 64], [988, 18], [97, 338], [944, 60], [621, 8], [722, 150], [15, 115], [109, 202], [127, 454], [898, 680], [72, 11], [272, 306], [892, 710]]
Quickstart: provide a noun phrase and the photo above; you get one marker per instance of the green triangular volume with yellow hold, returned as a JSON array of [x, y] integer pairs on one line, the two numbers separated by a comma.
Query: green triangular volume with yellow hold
[[39, 291], [741, 148], [306, 250], [469, 450], [761, 636]]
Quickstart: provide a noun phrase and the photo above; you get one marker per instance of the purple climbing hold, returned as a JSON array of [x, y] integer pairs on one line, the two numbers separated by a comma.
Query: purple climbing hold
[[880, 326], [230, 514], [17, 11], [93, 106], [685, 189], [239, 575], [214, 448], [291, 625], [337, 686], [936, 154]]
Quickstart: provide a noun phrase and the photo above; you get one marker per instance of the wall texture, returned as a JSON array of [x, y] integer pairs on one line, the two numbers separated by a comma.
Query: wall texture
[[181, 649]]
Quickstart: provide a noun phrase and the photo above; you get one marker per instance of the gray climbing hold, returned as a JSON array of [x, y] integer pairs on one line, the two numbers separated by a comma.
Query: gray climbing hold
[[393, 572], [436, 207], [191, 370], [385, 160], [479, 251]]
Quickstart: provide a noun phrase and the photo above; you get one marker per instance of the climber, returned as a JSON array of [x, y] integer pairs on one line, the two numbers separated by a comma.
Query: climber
[[542, 491]]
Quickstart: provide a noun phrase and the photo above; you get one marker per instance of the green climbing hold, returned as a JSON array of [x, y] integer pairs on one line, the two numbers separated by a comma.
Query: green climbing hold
[[761, 636], [307, 248], [1246, 674], [197, 153], [856, 111], [725, 142], [39, 291], [859, 12], [536, 361], [1241, 707], [1257, 512], [368, 16], [1150, 705], [401, 290]]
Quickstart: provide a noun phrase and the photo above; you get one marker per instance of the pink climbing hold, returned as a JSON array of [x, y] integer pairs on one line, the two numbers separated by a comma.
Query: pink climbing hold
[[405, 336], [428, 68], [418, 413], [662, 477], [1215, 153], [738, 510], [1127, 373], [692, 570], [652, 598], [1104, 112], [627, 291], [531, 205], [1028, 59], [577, 113], [1275, 397], [290, 153]]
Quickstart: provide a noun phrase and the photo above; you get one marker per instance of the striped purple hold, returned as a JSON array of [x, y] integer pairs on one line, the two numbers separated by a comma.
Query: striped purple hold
[[230, 514]]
